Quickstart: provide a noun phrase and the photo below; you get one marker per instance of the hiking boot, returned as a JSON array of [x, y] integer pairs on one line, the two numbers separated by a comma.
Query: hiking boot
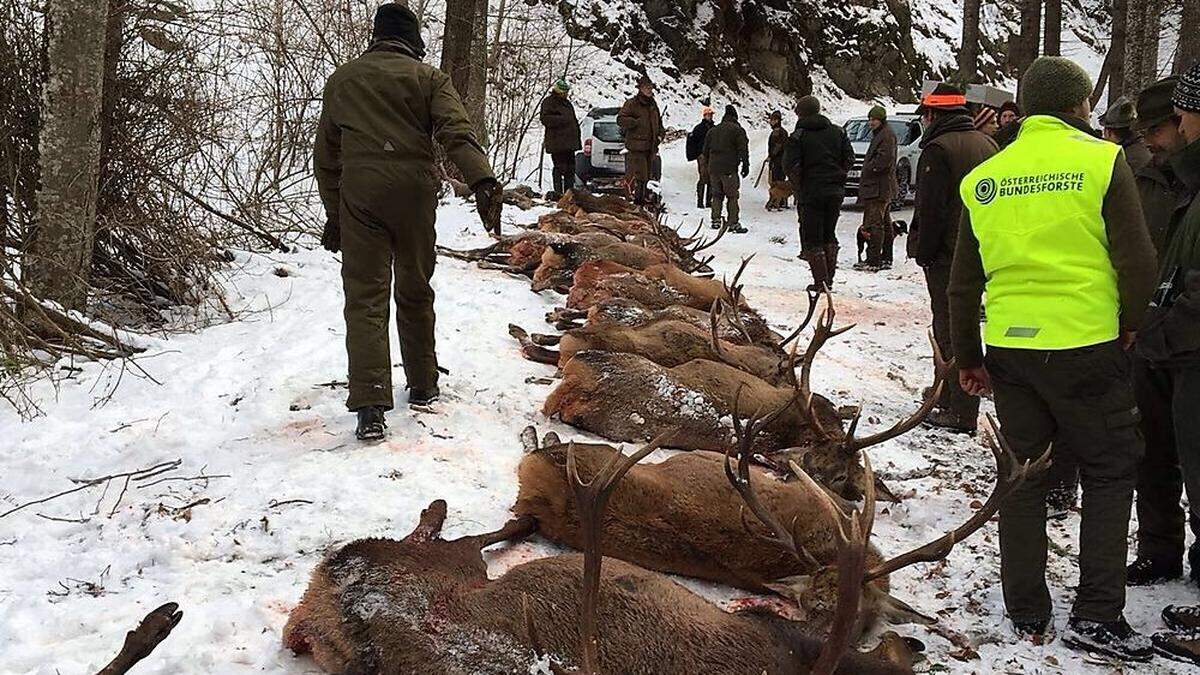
[[737, 228], [867, 267], [948, 421], [717, 223], [1110, 638], [1183, 646], [1148, 572], [1182, 617], [1060, 501], [371, 425], [423, 397], [1037, 631]]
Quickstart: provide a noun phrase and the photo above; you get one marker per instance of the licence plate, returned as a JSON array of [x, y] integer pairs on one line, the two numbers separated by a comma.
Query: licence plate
[[854, 174]]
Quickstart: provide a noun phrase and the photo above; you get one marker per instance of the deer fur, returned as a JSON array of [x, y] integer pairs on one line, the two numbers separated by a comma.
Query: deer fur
[[629, 313], [561, 259], [656, 286], [425, 605]]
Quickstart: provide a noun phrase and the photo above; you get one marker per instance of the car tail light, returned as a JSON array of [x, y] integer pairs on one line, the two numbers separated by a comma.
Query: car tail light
[[587, 148]]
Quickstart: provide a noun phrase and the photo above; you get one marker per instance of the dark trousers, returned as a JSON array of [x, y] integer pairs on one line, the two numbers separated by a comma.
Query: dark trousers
[[818, 223], [1083, 398], [563, 171], [960, 404], [877, 221], [1170, 404], [393, 245]]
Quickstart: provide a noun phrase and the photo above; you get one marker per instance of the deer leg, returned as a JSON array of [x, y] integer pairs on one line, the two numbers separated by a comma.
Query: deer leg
[[545, 340], [140, 641], [518, 528], [530, 350], [471, 255], [429, 527]]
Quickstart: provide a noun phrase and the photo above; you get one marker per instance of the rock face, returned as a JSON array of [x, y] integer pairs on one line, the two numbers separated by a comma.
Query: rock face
[[865, 46]]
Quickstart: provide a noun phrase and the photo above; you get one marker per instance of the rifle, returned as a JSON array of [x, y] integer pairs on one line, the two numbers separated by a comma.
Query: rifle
[[760, 171]]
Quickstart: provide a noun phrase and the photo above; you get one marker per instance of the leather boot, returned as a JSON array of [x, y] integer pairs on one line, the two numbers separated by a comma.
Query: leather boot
[[831, 255], [819, 270]]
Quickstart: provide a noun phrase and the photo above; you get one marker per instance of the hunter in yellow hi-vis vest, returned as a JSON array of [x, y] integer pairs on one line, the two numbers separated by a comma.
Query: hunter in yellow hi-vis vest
[[1036, 210]]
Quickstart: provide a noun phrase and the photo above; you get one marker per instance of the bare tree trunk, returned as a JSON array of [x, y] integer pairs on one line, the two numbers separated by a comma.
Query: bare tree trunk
[[968, 55], [1187, 54], [1120, 38], [1053, 44], [1136, 46], [1025, 45], [59, 257], [1152, 34], [477, 93]]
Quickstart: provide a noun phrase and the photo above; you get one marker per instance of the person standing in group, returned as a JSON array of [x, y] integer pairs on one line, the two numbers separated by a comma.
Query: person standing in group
[[986, 122], [1009, 119], [876, 190], [1170, 340], [1053, 231], [695, 153], [817, 159], [777, 199], [562, 139], [1117, 123], [950, 148], [642, 123], [373, 158], [725, 149], [1160, 533]]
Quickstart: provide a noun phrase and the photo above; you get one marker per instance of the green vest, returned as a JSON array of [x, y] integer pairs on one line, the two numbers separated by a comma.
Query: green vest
[[1036, 210]]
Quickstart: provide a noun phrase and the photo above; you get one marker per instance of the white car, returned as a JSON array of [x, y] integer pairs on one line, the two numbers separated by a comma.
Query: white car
[[602, 159], [907, 128]]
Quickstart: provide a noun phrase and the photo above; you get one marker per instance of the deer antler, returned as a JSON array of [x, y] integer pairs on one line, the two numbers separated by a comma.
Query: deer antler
[[1010, 474], [734, 291], [706, 244], [713, 314], [591, 498], [742, 448], [813, 296], [853, 535], [823, 332], [942, 370]]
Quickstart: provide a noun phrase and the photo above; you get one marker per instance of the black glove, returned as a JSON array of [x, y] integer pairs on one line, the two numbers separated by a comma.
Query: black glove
[[331, 238], [489, 200], [745, 170]]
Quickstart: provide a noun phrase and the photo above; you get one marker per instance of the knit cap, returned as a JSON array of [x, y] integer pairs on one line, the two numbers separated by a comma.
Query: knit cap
[[397, 22], [983, 117], [731, 112], [560, 85], [1054, 84], [878, 113], [1187, 92]]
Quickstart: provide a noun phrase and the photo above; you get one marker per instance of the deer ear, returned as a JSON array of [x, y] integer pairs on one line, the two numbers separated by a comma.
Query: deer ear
[[550, 438], [902, 651], [794, 588], [894, 610], [529, 440]]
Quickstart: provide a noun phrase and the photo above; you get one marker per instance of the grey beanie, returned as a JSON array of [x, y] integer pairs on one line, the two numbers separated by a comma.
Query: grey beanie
[[808, 106], [1054, 84]]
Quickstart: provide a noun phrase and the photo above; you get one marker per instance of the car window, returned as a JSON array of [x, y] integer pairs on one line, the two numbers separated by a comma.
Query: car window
[[900, 129], [607, 131], [858, 131]]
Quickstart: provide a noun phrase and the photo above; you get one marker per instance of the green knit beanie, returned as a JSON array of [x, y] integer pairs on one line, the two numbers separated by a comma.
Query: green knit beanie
[[561, 86], [808, 106], [1054, 84], [877, 113]]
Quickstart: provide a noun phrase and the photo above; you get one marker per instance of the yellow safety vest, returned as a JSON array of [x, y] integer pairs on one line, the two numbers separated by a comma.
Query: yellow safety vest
[[1036, 210]]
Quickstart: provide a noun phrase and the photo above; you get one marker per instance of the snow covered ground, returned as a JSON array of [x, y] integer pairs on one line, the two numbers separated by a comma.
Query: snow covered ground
[[251, 405]]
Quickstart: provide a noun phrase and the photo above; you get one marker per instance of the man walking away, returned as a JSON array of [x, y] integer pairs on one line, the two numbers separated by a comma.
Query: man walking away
[[1160, 537], [777, 175], [725, 149], [1171, 340], [642, 123], [373, 157], [951, 148], [1054, 232], [562, 136], [818, 157], [1117, 123], [876, 190], [695, 153]]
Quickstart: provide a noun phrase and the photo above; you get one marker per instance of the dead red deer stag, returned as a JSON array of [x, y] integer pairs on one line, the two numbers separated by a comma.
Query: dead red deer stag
[[626, 397], [654, 287], [656, 521], [561, 259], [425, 605], [747, 328], [669, 343], [140, 641]]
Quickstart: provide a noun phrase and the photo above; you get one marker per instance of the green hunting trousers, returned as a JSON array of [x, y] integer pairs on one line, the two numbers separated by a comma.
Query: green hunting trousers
[[1082, 400], [385, 255]]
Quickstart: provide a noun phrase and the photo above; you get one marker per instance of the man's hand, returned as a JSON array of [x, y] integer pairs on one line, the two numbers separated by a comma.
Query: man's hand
[[331, 238], [1128, 337], [489, 200], [745, 170], [975, 381]]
